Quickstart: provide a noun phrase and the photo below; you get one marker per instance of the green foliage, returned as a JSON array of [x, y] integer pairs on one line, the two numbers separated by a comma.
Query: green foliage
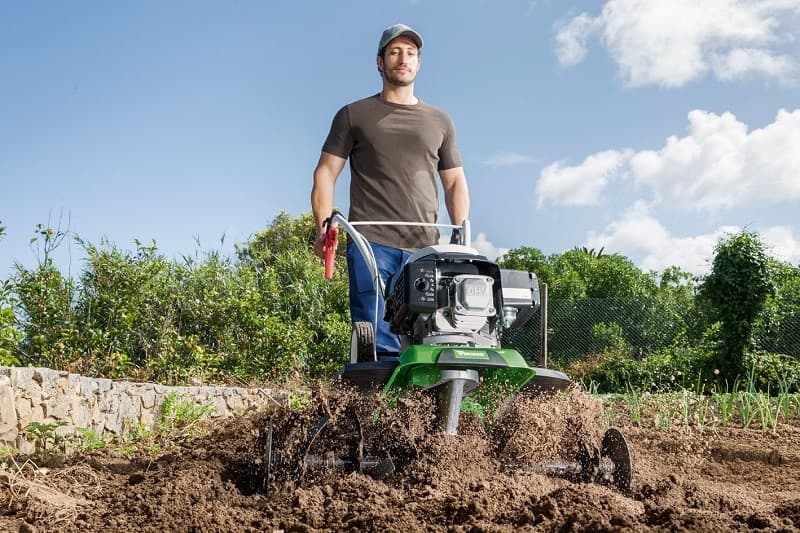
[[10, 335], [777, 328], [772, 372], [44, 298], [668, 369], [47, 440], [87, 440], [267, 314], [678, 368], [608, 337], [737, 290], [530, 260], [181, 419]]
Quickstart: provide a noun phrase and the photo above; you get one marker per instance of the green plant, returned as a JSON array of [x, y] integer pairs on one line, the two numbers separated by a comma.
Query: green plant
[[725, 403], [747, 412], [768, 418], [10, 336], [686, 398], [88, 440], [299, 398], [181, 419], [702, 410], [665, 410], [7, 452], [610, 414], [737, 290], [633, 399], [45, 436]]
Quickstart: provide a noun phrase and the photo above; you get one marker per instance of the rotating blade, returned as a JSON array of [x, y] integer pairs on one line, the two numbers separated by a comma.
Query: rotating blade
[[615, 449]]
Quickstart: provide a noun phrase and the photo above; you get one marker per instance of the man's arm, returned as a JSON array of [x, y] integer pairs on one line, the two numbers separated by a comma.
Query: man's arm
[[328, 169], [456, 194]]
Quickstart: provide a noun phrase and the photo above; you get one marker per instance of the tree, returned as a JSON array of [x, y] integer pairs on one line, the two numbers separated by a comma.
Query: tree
[[528, 259], [737, 289], [778, 328], [285, 233]]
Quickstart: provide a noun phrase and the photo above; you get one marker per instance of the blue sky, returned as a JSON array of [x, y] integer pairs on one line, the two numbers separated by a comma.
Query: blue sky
[[646, 127]]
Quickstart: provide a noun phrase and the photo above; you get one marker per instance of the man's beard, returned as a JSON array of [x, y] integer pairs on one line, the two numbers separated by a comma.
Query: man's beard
[[395, 79]]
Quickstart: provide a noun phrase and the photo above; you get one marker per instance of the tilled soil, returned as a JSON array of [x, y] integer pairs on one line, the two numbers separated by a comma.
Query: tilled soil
[[484, 479]]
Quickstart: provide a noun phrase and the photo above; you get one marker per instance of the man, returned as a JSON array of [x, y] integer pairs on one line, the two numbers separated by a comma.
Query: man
[[396, 145]]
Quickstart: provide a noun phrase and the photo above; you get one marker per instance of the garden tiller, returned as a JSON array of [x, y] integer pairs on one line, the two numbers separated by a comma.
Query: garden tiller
[[451, 307]]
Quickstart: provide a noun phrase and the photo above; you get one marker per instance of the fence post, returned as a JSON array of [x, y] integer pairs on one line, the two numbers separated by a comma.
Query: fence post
[[543, 333]]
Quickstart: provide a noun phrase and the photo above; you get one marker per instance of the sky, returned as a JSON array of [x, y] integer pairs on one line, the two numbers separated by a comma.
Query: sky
[[647, 128]]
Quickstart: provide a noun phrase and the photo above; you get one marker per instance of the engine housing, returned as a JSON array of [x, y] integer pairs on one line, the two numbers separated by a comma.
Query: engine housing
[[450, 294]]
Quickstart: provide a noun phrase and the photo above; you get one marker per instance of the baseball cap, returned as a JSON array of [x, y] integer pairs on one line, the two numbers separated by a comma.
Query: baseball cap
[[395, 31]]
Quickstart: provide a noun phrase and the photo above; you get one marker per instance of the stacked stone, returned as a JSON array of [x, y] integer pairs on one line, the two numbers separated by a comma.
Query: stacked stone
[[102, 405]]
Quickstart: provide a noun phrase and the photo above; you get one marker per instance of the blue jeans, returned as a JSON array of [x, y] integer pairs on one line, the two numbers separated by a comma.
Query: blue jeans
[[362, 292]]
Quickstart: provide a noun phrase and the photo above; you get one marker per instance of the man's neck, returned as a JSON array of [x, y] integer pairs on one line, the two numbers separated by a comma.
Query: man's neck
[[399, 95]]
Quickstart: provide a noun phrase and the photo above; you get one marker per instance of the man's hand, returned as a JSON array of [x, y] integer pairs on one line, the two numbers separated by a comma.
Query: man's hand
[[319, 246], [455, 237]]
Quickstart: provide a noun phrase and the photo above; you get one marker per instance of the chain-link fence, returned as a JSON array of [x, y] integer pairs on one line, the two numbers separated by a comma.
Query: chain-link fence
[[577, 328]]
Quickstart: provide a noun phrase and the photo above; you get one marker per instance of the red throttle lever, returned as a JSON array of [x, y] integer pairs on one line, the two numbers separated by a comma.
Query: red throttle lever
[[330, 241]]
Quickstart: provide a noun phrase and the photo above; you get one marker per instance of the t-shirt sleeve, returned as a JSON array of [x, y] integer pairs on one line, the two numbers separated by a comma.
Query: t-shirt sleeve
[[449, 157], [340, 138]]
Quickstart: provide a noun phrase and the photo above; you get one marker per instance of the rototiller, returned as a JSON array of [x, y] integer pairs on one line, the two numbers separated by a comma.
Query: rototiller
[[450, 307]]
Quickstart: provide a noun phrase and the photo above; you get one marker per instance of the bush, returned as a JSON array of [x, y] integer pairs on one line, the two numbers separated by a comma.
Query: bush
[[668, 369], [773, 372], [267, 314], [10, 336]]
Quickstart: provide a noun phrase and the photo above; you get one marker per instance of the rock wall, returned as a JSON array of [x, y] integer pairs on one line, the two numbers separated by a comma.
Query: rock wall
[[102, 405]]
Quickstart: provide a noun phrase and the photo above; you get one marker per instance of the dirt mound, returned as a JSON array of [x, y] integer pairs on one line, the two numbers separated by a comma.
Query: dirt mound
[[481, 480]]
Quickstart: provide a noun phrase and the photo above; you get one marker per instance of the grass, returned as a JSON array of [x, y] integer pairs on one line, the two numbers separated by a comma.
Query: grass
[[691, 409]]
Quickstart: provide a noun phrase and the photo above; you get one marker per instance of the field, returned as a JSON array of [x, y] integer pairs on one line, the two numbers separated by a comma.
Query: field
[[690, 474]]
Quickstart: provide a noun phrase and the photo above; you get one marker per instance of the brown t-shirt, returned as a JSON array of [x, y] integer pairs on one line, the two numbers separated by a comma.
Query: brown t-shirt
[[395, 152]]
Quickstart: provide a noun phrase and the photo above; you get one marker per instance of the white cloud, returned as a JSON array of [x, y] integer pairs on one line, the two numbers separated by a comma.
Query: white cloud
[[581, 184], [720, 165], [485, 247], [717, 165], [637, 233], [741, 62], [481, 244], [571, 39], [655, 42], [783, 243], [507, 159]]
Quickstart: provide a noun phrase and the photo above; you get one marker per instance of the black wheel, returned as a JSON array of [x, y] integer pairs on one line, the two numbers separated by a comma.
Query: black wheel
[[362, 343], [615, 448]]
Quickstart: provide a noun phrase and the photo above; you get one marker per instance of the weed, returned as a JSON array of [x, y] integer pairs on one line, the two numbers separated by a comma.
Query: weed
[[44, 435], [299, 399], [181, 419], [88, 440], [7, 452], [610, 413]]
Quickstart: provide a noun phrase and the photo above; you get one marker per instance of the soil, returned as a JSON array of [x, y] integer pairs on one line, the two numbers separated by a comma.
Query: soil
[[484, 479]]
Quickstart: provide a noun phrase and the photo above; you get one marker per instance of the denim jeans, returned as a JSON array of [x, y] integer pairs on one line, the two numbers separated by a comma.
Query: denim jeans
[[362, 292]]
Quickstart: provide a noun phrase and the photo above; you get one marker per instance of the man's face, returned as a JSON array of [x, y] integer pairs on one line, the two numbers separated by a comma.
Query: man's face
[[400, 62]]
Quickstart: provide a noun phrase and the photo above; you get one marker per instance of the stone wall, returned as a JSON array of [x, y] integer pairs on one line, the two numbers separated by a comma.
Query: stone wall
[[102, 405]]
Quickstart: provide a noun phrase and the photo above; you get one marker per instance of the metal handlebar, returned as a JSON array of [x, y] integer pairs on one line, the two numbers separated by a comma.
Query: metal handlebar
[[365, 249]]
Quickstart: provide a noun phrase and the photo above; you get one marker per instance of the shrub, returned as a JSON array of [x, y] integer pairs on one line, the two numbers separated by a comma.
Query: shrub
[[667, 369]]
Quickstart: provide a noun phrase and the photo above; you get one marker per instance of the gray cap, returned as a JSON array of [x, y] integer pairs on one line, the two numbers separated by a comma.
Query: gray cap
[[393, 32]]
